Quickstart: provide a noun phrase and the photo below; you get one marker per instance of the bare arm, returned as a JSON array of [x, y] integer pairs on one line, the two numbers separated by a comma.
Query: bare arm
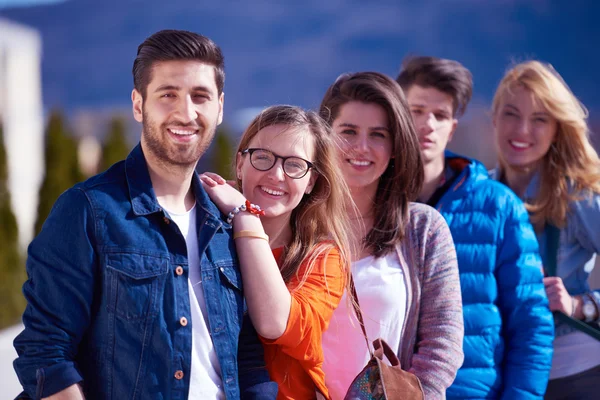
[[268, 298], [73, 392], [266, 294]]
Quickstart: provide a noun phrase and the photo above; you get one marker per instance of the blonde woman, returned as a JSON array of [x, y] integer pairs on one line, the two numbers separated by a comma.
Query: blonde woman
[[545, 156], [293, 258]]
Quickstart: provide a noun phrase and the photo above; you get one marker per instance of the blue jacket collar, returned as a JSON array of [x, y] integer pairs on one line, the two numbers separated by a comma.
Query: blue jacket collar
[[474, 172], [141, 193], [205, 202]]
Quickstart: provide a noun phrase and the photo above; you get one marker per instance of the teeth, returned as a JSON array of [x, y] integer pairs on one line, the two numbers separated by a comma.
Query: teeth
[[272, 192], [360, 163], [520, 145], [182, 132]]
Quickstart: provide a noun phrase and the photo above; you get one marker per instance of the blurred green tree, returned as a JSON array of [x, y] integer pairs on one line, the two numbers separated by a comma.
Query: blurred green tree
[[12, 271], [221, 161], [61, 166], [115, 146]]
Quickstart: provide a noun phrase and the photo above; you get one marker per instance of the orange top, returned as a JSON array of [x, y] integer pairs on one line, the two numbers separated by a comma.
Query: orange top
[[295, 359]]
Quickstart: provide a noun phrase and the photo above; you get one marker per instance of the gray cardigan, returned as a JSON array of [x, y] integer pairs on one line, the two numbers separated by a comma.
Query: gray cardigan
[[432, 337]]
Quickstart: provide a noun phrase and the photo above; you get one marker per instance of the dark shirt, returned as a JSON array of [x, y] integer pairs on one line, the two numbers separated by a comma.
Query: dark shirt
[[449, 177]]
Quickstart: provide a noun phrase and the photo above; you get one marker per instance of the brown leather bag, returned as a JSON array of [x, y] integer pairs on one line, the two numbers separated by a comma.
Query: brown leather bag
[[378, 380]]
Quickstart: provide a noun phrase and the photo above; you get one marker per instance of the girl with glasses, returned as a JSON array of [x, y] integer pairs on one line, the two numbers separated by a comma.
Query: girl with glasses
[[289, 223], [406, 273]]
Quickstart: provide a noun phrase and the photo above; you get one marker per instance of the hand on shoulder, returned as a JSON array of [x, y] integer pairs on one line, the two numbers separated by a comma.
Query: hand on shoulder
[[221, 192]]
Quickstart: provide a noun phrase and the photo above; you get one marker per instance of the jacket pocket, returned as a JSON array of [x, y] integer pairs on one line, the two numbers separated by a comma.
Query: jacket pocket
[[231, 276], [231, 286], [133, 282]]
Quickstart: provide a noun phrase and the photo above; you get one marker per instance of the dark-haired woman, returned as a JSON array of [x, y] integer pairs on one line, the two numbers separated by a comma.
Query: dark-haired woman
[[406, 274]]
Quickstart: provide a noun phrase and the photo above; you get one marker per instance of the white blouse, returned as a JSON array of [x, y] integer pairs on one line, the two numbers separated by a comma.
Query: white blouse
[[382, 295]]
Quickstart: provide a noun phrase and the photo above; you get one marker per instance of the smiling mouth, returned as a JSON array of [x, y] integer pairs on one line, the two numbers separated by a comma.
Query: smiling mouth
[[183, 132], [519, 145], [359, 163], [272, 192]]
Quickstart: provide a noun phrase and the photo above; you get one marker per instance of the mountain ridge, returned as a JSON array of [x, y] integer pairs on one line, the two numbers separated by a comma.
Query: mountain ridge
[[290, 53]]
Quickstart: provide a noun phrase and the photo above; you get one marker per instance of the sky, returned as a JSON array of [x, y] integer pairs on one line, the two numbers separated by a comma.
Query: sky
[[289, 52], [23, 3]]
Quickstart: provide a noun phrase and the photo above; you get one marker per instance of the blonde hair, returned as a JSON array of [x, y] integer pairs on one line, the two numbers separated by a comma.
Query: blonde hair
[[320, 222], [571, 155]]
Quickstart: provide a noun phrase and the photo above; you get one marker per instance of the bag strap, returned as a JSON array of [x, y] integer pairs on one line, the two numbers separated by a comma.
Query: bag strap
[[552, 238], [359, 316], [550, 267], [381, 347]]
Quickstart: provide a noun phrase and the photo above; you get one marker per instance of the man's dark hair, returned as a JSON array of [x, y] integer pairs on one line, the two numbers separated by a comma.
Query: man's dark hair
[[447, 76], [175, 45]]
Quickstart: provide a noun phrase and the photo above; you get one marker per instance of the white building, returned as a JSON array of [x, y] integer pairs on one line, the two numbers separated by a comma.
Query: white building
[[21, 113]]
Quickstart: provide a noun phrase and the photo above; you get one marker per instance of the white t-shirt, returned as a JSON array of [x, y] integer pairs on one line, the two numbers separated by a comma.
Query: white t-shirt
[[381, 293], [205, 376], [574, 352]]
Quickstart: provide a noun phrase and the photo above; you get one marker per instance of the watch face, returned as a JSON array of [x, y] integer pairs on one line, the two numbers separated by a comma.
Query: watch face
[[588, 310]]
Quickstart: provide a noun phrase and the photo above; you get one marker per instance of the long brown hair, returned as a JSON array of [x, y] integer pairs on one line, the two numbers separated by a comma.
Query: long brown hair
[[571, 155], [319, 222], [402, 180]]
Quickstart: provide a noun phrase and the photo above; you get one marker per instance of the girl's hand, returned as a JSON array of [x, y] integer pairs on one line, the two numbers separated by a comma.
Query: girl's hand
[[220, 192], [558, 297]]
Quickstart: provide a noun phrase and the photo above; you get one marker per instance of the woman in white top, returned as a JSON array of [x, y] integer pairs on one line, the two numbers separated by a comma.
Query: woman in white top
[[406, 274]]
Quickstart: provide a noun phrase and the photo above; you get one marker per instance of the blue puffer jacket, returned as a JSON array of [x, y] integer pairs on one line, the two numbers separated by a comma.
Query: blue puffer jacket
[[508, 327]]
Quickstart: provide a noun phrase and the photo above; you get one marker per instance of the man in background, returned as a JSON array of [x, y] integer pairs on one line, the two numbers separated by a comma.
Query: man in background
[[508, 327]]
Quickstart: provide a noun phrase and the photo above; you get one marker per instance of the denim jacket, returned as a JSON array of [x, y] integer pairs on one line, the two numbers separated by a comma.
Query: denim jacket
[[108, 293], [578, 244]]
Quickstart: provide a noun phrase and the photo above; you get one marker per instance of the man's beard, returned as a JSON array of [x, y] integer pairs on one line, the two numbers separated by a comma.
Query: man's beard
[[172, 154]]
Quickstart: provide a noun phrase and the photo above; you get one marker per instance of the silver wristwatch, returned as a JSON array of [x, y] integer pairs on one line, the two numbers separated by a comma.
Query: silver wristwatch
[[589, 308]]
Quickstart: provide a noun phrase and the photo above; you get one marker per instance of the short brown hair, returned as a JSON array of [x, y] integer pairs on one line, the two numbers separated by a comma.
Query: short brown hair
[[447, 76], [175, 45]]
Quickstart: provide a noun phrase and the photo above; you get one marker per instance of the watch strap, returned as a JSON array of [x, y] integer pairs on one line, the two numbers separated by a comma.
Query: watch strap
[[589, 303], [596, 298]]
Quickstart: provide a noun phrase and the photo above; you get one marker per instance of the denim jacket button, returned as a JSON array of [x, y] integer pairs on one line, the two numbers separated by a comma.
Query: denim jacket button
[[179, 270], [179, 374], [167, 220], [183, 321]]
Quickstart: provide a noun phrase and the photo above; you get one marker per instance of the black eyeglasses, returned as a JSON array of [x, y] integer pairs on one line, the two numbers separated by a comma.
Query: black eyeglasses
[[264, 160]]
